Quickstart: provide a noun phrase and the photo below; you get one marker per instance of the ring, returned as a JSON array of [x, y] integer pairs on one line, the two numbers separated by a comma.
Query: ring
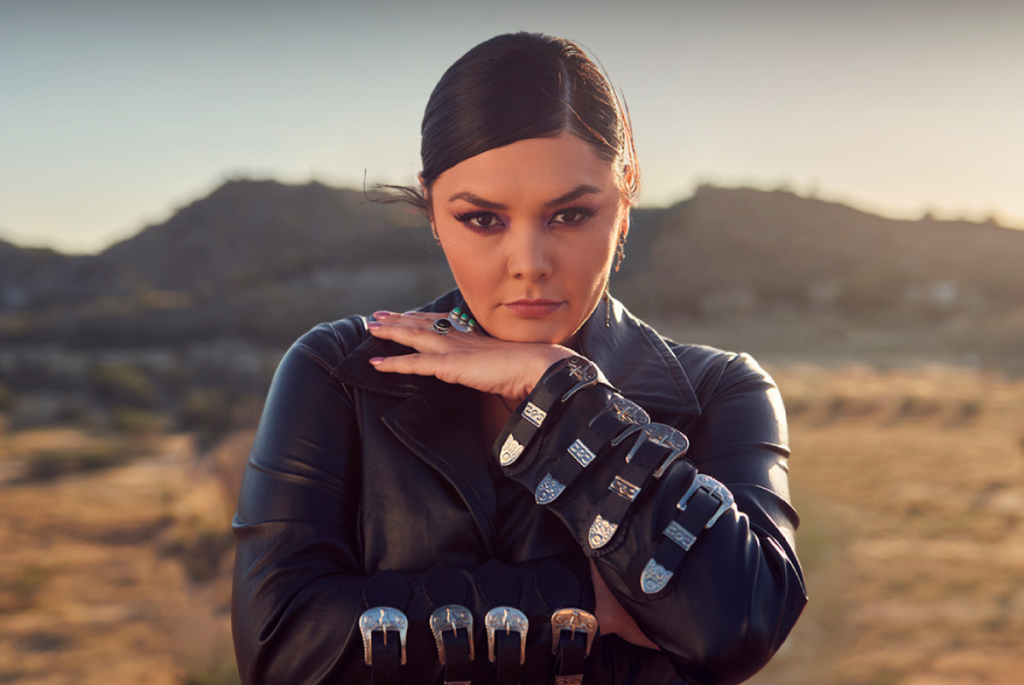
[[443, 327], [462, 321]]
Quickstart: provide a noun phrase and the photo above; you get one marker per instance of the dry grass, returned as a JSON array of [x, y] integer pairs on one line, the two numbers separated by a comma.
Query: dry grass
[[909, 485], [908, 482]]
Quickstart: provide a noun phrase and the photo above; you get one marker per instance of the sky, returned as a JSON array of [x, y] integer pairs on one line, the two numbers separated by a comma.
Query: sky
[[115, 113]]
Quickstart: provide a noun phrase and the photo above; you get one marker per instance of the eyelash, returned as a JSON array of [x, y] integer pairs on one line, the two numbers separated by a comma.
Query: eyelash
[[582, 214]]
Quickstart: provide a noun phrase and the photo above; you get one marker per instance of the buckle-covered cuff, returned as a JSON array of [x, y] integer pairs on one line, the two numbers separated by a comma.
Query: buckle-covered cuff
[[385, 620]]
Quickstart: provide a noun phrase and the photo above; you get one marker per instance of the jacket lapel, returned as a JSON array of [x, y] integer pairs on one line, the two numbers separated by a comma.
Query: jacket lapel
[[636, 360], [438, 422]]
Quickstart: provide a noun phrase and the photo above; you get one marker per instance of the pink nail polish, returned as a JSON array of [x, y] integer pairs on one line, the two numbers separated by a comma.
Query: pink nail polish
[[382, 314], [376, 360], [374, 325]]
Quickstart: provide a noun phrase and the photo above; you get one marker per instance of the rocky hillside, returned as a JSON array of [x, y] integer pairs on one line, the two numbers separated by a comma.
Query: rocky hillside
[[264, 261]]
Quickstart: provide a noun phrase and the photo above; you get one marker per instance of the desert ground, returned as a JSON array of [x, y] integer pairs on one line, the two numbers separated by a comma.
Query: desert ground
[[907, 478]]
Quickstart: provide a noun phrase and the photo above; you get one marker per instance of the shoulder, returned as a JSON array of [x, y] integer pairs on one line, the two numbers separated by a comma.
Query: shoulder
[[711, 368], [735, 393], [328, 344]]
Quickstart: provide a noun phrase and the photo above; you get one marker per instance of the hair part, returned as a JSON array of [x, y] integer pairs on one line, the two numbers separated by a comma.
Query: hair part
[[514, 87]]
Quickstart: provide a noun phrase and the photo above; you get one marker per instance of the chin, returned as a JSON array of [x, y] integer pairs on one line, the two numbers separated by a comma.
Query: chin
[[532, 333]]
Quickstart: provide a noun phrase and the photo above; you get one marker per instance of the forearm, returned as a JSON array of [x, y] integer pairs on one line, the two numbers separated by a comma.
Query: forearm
[[729, 604]]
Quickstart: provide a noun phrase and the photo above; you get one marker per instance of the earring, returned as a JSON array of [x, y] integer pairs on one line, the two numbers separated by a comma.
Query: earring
[[620, 251]]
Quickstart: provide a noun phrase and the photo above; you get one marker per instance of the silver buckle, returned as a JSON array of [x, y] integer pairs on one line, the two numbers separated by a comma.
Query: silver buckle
[[626, 412], [453, 617], [384, 619], [713, 488], [585, 374], [575, 620], [509, 619], [665, 436]]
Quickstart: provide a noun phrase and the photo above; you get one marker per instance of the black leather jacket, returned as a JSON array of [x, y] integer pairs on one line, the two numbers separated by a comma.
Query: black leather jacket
[[362, 482]]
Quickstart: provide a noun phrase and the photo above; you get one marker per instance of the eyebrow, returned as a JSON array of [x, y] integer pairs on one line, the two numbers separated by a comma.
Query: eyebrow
[[574, 194]]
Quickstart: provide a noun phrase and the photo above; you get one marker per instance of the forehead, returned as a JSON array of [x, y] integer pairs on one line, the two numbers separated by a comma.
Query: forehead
[[535, 169]]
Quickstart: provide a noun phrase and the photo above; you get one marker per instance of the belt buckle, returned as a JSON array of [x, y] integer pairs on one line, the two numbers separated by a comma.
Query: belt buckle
[[384, 619], [584, 373], [713, 488], [573, 619], [454, 617], [508, 619]]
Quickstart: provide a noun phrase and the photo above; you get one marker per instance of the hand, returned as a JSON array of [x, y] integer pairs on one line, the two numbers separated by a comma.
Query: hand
[[509, 369], [611, 617]]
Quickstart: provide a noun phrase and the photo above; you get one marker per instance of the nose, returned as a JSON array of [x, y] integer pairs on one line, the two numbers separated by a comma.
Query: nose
[[529, 253]]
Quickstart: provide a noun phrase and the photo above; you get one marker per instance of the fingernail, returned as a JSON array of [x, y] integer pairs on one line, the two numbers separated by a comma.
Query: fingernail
[[376, 360], [374, 325], [382, 314], [411, 311]]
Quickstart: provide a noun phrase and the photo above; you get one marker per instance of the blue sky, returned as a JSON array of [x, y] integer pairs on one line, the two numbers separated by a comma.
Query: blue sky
[[115, 113]]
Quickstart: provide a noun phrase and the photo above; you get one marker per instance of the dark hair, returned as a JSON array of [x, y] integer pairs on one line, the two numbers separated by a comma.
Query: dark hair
[[518, 86]]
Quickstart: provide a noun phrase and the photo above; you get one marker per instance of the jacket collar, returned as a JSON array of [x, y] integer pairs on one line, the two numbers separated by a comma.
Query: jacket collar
[[633, 357]]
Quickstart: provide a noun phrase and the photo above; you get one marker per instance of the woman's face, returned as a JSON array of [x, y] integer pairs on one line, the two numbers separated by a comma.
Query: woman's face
[[530, 231]]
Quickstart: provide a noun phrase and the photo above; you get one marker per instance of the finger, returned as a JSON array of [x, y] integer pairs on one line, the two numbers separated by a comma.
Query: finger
[[423, 316], [414, 364], [418, 335]]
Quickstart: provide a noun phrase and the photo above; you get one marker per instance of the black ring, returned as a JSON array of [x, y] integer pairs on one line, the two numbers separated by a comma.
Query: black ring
[[443, 327]]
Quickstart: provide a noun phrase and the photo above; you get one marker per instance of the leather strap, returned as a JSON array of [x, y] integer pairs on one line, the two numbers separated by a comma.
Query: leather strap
[[384, 624], [507, 652], [572, 653], [563, 379], [607, 428], [386, 657], [451, 622], [657, 447], [458, 664], [704, 502]]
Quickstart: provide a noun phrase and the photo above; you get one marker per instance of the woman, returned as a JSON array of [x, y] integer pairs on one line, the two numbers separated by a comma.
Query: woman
[[519, 482]]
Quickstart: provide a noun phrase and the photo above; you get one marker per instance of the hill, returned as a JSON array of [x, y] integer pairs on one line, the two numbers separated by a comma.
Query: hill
[[263, 261]]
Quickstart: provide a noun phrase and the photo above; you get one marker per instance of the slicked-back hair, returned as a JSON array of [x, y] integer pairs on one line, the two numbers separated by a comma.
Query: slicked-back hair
[[518, 86]]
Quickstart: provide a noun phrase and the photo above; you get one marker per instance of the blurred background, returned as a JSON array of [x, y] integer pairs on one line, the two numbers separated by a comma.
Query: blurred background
[[834, 187]]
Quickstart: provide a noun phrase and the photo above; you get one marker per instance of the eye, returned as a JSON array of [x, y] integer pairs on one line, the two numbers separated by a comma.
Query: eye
[[571, 215], [479, 220]]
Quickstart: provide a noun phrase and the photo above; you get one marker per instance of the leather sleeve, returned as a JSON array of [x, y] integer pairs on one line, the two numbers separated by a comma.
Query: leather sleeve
[[739, 591], [299, 583]]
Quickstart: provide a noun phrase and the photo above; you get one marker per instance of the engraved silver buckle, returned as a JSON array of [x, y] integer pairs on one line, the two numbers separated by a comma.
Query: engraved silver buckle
[[626, 412], [585, 374], [452, 617], [509, 619], [384, 619], [713, 488], [665, 436], [574, 620]]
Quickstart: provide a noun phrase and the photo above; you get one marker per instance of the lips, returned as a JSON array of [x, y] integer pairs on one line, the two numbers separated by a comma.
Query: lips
[[534, 309]]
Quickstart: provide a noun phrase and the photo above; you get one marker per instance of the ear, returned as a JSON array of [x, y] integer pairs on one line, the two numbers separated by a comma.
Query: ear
[[625, 221]]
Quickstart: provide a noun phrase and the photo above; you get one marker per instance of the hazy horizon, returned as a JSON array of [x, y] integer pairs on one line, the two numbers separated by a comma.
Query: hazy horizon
[[118, 113]]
